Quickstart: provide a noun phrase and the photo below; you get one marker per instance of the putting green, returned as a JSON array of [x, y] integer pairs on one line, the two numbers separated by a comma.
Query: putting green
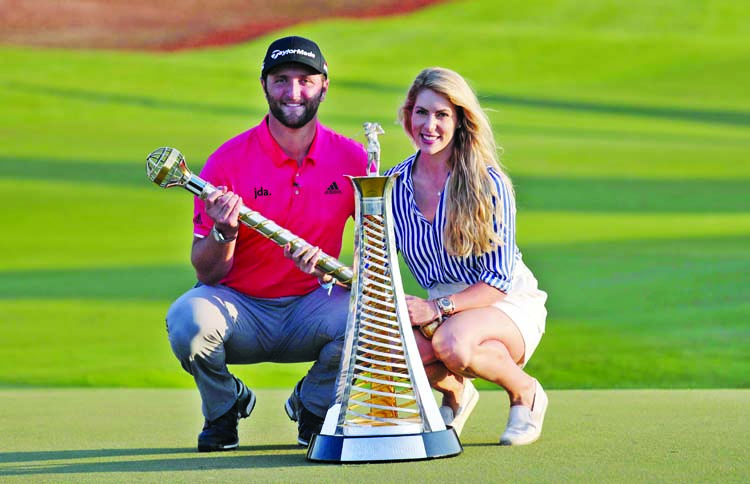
[[624, 127], [134, 435]]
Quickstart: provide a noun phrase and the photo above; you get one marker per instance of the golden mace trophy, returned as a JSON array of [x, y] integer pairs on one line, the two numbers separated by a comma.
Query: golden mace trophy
[[384, 409], [167, 168]]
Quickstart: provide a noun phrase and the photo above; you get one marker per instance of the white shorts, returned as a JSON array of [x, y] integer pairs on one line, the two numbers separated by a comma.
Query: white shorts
[[524, 305]]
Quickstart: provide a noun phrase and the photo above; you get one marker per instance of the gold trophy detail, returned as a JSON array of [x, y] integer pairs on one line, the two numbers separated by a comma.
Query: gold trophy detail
[[384, 409]]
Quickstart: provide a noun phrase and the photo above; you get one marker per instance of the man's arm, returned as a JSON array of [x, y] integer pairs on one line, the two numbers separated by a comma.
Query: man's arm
[[212, 258]]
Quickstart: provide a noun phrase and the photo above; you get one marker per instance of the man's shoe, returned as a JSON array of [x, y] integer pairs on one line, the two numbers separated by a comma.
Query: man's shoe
[[245, 399], [307, 425], [469, 399], [221, 434], [307, 422], [524, 423], [293, 405]]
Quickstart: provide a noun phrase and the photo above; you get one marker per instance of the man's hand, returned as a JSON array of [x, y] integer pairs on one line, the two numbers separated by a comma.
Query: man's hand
[[223, 207], [304, 258]]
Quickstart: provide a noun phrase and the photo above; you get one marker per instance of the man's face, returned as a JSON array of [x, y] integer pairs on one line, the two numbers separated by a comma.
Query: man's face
[[294, 93]]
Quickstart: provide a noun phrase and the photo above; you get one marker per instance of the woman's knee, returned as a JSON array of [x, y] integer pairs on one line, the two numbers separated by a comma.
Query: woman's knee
[[454, 352]]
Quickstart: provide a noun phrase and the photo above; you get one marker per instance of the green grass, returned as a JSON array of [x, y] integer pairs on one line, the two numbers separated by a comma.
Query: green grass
[[624, 126], [149, 435]]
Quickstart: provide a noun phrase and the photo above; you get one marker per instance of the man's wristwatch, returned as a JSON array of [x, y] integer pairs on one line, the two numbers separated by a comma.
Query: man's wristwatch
[[446, 306], [219, 237]]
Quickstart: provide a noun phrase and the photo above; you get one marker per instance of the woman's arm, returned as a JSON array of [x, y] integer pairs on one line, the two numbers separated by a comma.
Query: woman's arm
[[478, 295]]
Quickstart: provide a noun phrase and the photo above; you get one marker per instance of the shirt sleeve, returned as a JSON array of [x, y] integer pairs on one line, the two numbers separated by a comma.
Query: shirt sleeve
[[202, 223], [498, 265]]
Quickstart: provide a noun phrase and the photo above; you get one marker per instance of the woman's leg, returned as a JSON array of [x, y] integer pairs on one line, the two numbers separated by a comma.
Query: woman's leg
[[485, 343], [441, 378]]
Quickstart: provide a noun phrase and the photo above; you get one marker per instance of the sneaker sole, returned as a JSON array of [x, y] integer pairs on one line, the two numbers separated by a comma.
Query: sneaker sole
[[217, 448], [520, 441]]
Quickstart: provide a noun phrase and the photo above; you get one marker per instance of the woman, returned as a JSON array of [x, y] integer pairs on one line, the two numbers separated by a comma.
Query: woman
[[454, 213]]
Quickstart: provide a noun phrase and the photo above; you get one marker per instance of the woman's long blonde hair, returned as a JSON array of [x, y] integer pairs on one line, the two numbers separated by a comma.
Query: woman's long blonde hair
[[470, 212]]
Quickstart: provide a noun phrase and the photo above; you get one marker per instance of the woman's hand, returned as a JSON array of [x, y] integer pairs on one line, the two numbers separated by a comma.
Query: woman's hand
[[421, 311]]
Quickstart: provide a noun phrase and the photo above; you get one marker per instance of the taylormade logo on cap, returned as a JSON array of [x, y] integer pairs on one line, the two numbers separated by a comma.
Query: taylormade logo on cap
[[294, 49], [277, 53]]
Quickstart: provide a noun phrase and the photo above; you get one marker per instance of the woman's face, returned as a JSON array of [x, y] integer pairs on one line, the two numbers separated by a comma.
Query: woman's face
[[433, 122]]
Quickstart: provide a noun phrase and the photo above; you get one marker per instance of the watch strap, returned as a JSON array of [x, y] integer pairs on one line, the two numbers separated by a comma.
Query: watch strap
[[219, 237]]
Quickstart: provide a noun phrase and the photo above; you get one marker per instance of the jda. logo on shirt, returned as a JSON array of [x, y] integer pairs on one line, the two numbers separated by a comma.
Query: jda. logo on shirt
[[261, 192]]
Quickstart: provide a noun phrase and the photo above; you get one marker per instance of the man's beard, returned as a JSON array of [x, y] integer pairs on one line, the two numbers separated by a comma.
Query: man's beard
[[294, 121]]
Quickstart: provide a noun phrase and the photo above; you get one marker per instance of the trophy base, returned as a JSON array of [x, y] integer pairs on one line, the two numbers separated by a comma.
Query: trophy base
[[384, 448]]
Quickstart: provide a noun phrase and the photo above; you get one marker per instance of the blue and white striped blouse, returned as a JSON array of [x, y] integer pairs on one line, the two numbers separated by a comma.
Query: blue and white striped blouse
[[422, 245]]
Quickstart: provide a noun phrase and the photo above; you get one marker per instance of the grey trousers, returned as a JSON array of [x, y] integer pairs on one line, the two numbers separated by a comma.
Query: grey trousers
[[210, 327]]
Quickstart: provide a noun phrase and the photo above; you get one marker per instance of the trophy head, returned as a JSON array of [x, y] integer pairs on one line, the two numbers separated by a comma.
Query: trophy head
[[166, 167]]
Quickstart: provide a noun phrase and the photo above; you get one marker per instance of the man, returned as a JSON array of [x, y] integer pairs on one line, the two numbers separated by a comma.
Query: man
[[256, 302]]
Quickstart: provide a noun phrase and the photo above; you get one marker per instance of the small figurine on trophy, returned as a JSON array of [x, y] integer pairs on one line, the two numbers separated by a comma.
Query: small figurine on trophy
[[372, 130]]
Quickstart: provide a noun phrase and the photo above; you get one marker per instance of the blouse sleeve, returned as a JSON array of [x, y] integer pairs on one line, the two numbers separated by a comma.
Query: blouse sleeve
[[497, 266]]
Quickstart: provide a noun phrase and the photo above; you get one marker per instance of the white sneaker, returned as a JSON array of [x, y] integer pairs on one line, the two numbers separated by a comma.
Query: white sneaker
[[524, 423], [469, 399]]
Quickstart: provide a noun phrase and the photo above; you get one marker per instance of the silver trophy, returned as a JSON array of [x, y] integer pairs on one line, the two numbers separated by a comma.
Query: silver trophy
[[167, 168], [384, 409]]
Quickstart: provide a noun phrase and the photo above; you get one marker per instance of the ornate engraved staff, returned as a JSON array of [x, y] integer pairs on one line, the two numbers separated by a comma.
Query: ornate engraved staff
[[384, 409], [167, 168]]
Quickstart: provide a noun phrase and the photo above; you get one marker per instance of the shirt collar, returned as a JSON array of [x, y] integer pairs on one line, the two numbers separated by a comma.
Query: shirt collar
[[276, 153]]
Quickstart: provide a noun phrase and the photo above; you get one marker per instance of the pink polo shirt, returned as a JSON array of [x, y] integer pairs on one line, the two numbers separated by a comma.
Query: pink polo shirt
[[312, 201]]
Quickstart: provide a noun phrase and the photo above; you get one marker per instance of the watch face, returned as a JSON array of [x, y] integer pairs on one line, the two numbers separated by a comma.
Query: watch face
[[446, 305]]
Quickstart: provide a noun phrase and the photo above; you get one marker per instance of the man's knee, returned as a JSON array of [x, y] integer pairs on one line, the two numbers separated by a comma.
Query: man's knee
[[193, 325]]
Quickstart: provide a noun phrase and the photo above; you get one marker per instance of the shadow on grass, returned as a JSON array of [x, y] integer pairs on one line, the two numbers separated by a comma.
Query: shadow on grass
[[151, 283], [17, 457], [125, 174], [609, 194], [88, 96], [714, 116], [246, 457], [711, 116], [617, 195], [136, 100]]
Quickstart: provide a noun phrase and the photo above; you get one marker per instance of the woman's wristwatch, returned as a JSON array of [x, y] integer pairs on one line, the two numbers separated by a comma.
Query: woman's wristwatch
[[445, 306], [445, 309]]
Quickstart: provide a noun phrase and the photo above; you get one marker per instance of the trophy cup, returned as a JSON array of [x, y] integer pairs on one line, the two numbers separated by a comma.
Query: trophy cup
[[167, 168], [384, 409]]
